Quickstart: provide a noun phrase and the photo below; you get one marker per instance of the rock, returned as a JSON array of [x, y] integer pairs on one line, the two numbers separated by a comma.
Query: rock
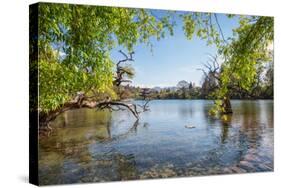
[[159, 172], [252, 151], [247, 166], [265, 167], [227, 170], [237, 169], [85, 158], [252, 158], [189, 126]]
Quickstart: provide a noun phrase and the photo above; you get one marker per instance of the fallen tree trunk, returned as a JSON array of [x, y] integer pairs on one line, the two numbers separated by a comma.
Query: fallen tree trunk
[[82, 101], [131, 107]]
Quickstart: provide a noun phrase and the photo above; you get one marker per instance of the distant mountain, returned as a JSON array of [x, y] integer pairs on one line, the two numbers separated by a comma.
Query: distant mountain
[[158, 89]]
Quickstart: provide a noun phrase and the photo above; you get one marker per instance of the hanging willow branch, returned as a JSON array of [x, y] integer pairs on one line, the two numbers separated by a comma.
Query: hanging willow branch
[[83, 101]]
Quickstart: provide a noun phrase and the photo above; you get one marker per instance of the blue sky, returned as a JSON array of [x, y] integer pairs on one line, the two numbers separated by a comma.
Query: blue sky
[[174, 58]]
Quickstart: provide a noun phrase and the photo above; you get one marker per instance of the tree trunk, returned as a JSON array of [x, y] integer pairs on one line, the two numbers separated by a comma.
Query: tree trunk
[[65, 118], [46, 118], [226, 106]]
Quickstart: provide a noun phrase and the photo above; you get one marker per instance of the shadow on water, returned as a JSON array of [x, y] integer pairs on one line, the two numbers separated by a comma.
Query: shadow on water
[[225, 124], [66, 156], [89, 146]]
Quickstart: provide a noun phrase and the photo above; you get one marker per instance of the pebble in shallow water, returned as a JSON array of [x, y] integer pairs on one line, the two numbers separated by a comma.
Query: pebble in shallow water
[[265, 167], [236, 169], [252, 158], [159, 172], [246, 165]]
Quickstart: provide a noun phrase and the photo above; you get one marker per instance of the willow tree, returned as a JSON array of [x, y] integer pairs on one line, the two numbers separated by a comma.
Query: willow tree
[[75, 41], [241, 54], [249, 49], [74, 44]]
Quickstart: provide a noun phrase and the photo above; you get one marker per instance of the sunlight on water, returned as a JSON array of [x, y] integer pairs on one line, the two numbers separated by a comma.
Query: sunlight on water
[[98, 146]]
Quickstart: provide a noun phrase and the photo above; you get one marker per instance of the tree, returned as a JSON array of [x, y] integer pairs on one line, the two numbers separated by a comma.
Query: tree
[[74, 43], [145, 95], [268, 93], [145, 92], [183, 87], [211, 77], [245, 54], [124, 72], [242, 56], [190, 86]]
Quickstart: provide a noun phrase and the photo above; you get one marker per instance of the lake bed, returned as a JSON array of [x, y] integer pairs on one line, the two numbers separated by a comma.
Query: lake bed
[[174, 138]]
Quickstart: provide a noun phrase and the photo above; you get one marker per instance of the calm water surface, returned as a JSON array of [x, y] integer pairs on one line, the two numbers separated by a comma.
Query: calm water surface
[[99, 146]]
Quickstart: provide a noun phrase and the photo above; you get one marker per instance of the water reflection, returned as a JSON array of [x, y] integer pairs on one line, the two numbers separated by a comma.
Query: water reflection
[[92, 146], [225, 124]]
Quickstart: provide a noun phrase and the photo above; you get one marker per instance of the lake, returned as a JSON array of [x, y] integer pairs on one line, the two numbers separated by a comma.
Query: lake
[[175, 138]]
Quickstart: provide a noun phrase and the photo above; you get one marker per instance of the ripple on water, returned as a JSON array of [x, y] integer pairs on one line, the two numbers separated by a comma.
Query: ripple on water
[[103, 146]]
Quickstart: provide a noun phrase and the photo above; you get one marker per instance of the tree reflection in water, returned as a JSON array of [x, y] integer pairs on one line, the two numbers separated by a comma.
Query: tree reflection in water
[[88, 146], [66, 158]]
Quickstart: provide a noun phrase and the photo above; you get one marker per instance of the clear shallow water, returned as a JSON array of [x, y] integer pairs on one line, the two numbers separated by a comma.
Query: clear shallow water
[[103, 146]]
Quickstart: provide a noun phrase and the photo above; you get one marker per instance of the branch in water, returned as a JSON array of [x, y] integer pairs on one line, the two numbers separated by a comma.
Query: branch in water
[[81, 101], [145, 107], [109, 105]]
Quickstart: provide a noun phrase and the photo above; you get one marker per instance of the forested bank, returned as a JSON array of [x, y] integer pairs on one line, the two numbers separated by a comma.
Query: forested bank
[[262, 88], [76, 70]]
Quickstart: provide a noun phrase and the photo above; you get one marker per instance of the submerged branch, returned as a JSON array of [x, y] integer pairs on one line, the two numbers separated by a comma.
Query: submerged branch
[[109, 105], [81, 101]]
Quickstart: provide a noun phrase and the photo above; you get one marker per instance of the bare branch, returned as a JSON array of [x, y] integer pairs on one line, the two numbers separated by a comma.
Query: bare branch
[[217, 21], [145, 107], [121, 71], [130, 107], [81, 101], [127, 58], [212, 71]]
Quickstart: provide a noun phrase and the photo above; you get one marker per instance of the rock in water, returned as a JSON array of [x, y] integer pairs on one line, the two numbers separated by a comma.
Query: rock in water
[[189, 126], [246, 165], [236, 169]]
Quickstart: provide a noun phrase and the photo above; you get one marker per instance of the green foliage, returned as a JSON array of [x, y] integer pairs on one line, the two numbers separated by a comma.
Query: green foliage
[[246, 53], [59, 83], [216, 109], [75, 42], [243, 55], [203, 25]]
